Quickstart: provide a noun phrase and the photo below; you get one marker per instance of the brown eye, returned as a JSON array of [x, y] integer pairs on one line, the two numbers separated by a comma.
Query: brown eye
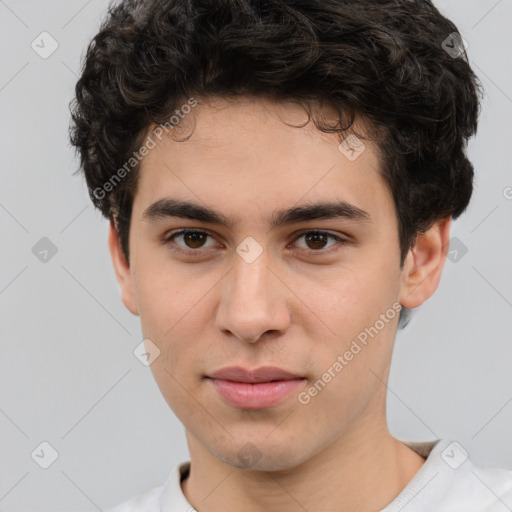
[[316, 241], [188, 240], [194, 239]]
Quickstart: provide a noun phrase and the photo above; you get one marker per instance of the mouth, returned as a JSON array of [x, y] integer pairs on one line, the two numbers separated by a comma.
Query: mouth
[[256, 376], [254, 389]]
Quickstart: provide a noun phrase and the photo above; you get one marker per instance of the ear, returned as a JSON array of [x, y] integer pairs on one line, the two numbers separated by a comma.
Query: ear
[[424, 263], [122, 270]]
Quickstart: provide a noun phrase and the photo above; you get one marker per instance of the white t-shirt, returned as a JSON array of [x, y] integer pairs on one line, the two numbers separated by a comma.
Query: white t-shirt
[[448, 481]]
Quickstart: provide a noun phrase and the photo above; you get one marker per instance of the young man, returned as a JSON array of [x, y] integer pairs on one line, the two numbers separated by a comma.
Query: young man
[[280, 178]]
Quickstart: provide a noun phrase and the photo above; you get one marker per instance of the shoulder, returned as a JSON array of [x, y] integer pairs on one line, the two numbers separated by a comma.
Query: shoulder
[[148, 501], [481, 488], [168, 496], [450, 481], [466, 485]]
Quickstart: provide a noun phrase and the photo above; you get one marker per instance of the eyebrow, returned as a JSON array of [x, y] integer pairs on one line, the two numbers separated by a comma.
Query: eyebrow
[[168, 208]]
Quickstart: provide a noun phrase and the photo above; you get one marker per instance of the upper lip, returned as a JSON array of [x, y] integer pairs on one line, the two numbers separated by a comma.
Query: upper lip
[[262, 374]]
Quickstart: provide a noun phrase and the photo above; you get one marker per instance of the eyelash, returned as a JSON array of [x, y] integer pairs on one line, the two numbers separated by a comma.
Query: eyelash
[[199, 252]]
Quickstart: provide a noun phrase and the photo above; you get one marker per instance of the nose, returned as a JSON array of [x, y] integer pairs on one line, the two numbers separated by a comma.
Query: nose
[[253, 301]]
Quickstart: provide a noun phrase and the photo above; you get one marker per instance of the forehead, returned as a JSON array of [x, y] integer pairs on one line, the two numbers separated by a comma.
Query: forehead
[[252, 155]]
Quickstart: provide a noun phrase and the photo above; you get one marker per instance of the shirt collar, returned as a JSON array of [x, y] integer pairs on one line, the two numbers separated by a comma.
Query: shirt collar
[[173, 500]]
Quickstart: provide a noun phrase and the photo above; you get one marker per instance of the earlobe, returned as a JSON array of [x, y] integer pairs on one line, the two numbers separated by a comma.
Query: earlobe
[[122, 271], [424, 263]]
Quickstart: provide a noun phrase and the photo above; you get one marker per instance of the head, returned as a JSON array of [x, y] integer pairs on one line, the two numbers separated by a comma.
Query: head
[[317, 149]]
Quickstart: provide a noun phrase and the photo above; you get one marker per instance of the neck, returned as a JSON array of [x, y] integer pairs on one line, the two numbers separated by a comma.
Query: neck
[[357, 472]]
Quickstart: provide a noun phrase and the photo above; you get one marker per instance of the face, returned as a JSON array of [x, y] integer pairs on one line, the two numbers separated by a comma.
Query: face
[[267, 282]]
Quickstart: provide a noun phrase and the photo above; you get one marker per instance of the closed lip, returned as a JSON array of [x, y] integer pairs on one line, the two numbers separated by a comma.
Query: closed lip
[[262, 374]]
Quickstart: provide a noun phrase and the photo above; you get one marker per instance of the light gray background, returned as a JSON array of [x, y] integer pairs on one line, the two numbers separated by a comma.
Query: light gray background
[[68, 375]]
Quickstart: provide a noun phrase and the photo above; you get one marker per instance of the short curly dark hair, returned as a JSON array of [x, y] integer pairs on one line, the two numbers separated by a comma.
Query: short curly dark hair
[[386, 61]]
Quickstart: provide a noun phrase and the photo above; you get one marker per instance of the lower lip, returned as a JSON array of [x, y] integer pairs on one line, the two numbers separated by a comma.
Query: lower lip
[[255, 396]]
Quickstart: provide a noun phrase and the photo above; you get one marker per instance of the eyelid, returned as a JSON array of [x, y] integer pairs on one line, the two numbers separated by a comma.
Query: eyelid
[[167, 239], [339, 239]]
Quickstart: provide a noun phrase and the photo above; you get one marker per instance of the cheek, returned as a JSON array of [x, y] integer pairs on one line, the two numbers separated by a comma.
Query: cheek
[[349, 309], [176, 386], [168, 297], [343, 302]]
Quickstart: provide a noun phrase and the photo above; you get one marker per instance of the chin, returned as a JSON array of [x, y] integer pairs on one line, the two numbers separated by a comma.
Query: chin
[[258, 456]]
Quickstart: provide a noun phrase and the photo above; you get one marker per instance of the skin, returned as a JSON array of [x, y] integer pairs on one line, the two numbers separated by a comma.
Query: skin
[[288, 308]]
